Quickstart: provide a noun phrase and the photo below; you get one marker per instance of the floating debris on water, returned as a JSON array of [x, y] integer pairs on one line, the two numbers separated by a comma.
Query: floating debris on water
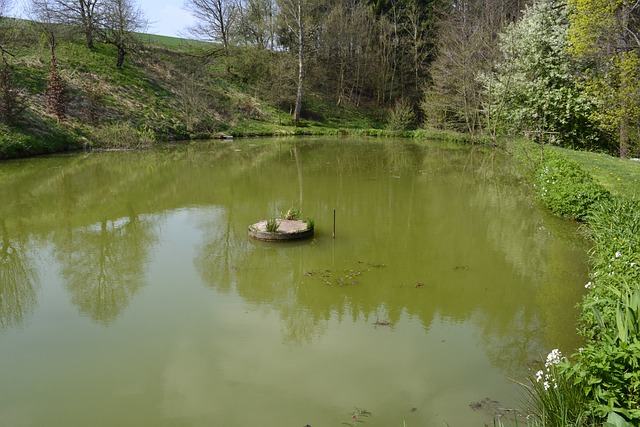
[[382, 323], [344, 277]]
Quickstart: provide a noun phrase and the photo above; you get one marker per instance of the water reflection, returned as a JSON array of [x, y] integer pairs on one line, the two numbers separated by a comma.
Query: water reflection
[[18, 279], [438, 286], [104, 264], [425, 241]]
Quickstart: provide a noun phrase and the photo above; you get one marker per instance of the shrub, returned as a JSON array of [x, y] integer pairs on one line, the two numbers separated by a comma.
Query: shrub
[[609, 373], [566, 189], [402, 116]]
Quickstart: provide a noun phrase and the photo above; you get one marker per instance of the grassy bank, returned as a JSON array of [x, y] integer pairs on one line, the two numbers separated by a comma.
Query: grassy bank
[[168, 89], [601, 382]]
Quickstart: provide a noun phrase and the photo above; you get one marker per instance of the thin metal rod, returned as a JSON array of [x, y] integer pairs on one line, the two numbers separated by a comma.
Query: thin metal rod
[[334, 223]]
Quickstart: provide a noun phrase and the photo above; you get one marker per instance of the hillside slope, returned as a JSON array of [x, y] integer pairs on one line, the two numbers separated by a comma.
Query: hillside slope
[[169, 89]]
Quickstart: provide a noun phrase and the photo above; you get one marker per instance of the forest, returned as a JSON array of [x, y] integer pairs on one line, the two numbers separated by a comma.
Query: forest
[[557, 71]]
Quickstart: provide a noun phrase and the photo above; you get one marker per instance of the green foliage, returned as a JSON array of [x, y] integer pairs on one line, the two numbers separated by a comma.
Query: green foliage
[[553, 397], [602, 40], [615, 229], [609, 373], [534, 87], [121, 135], [615, 420], [566, 189], [618, 101], [619, 176], [402, 116], [292, 214], [608, 368], [272, 225], [310, 223]]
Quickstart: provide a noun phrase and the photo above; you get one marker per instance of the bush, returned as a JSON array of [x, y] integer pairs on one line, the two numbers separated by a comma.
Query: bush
[[402, 116], [566, 189]]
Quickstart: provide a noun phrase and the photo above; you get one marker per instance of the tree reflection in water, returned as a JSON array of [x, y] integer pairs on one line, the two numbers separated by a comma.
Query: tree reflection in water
[[18, 280], [104, 264]]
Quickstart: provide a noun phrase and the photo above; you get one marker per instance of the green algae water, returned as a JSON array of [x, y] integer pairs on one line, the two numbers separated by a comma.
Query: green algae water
[[131, 295]]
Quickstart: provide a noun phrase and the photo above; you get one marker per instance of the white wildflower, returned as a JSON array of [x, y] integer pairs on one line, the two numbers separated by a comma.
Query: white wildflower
[[554, 357]]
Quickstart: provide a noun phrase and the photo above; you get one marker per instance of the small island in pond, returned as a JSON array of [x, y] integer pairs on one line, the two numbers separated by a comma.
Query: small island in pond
[[286, 230]]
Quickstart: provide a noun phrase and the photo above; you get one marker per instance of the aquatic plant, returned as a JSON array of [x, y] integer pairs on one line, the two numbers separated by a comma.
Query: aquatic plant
[[292, 214], [553, 398], [272, 225], [310, 223], [355, 417]]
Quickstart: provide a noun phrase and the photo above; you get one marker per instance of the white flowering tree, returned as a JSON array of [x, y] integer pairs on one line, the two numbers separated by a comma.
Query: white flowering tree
[[533, 87]]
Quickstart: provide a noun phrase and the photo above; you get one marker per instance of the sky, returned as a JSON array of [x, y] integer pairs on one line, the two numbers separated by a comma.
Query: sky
[[166, 17]]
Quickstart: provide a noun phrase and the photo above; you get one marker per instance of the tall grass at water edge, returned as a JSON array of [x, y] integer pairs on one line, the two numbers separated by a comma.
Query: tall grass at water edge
[[600, 384]]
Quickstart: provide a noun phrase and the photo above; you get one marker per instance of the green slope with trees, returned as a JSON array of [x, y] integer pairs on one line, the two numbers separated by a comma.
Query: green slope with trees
[[82, 72]]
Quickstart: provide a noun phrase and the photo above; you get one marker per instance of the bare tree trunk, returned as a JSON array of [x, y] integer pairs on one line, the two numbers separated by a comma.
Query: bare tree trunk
[[121, 53], [298, 107]]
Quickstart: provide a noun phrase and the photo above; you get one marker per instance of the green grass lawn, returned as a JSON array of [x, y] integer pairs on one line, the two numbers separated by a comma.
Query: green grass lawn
[[620, 176]]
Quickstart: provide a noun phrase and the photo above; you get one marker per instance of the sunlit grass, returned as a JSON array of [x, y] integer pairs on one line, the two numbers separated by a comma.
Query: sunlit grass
[[620, 176]]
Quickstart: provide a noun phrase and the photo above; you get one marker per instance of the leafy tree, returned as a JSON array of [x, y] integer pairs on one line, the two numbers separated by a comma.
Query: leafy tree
[[605, 36], [120, 21], [533, 88], [257, 23]]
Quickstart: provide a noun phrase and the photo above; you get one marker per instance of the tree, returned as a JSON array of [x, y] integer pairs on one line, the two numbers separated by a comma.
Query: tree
[[605, 36], [466, 48], [347, 51], [5, 7], [120, 21], [215, 20], [81, 15], [294, 21], [533, 88], [10, 103], [43, 17], [56, 92], [257, 22]]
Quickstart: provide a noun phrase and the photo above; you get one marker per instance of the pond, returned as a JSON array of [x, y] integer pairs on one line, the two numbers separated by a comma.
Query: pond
[[131, 294]]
